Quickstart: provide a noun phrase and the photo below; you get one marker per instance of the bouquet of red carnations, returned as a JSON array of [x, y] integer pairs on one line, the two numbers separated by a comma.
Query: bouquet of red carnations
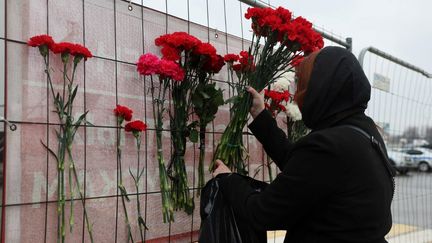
[[191, 94], [277, 44], [71, 55]]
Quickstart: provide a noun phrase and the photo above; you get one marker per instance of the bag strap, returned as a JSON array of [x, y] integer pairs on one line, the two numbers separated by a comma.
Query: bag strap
[[380, 149]]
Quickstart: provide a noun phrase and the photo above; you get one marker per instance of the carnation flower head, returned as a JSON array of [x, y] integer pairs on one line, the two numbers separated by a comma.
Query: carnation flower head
[[214, 64], [170, 53], [205, 49], [270, 21], [300, 35], [136, 127], [80, 51], [274, 100], [123, 113], [256, 13], [266, 20], [302, 22], [148, 64], [277, 96], [293, 112], [43, 42], [39, 40], [63, 47], [173, 44], [284, 14], [230, 57], [246, 63], [170, 69]]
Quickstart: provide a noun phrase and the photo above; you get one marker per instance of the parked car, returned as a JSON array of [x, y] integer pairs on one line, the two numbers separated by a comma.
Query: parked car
[[414, 158], [400, 160], [421, 158]]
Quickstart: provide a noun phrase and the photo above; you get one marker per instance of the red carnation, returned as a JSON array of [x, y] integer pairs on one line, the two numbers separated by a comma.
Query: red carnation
[[256, 13], [136, 127], [270, 21], [237, 67], [170, 69], [81, 51], [177, 40], [43, 42], [277, 96], [40, 40], [148, 64], [246, 63], [205, 49], [284, 14], [123, 113], [281, 107], [245, 58], [300, 35], [170, 53], [231, 57], [63, 47], [214, 64], [275, 99]]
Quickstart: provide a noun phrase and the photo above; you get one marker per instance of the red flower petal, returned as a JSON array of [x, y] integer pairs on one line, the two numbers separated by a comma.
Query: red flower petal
[[40, 40], [124, 112], [135, 126]]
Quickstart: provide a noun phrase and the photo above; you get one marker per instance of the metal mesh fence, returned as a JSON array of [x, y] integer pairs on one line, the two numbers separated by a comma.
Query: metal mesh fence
[[117, 32], [402, 106]]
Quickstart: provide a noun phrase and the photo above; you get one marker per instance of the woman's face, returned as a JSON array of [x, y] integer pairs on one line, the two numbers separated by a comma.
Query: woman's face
[[303, 74]]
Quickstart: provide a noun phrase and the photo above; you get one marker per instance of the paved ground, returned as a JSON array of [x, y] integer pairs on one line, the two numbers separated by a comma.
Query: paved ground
[[412, 211]]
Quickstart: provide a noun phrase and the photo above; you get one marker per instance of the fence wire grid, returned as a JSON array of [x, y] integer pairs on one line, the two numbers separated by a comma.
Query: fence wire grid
[[118, 32]]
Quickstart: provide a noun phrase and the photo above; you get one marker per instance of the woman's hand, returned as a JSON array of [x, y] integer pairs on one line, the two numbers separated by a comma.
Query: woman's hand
[[220, 168], [257, 102]]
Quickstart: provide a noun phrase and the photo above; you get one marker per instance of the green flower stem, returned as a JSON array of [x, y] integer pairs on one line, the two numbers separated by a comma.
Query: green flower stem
[[137, 181], [65, 137], [158, 108], [123, 195], [70, 131], [272, 61], [230, 148], [81, 194], [130, 237], [69, 141], [62, 202], [181, 195], [64, 80], [201, 179], [71, 188]]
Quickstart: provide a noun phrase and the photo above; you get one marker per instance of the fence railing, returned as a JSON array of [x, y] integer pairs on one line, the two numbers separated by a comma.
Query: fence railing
[[391, 58]]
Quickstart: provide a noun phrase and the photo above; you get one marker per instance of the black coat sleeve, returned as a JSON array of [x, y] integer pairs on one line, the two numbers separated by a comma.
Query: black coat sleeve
[[295, 193], [274, 139]]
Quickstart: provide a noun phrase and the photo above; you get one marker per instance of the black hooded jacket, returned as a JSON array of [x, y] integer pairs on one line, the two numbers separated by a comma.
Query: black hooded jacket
[[333, 186]]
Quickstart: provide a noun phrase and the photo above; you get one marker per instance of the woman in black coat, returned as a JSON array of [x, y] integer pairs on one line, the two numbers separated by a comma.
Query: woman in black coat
[[335, 184]]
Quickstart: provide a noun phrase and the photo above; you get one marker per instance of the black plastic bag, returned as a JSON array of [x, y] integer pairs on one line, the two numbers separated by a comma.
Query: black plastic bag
[[218, 221]]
